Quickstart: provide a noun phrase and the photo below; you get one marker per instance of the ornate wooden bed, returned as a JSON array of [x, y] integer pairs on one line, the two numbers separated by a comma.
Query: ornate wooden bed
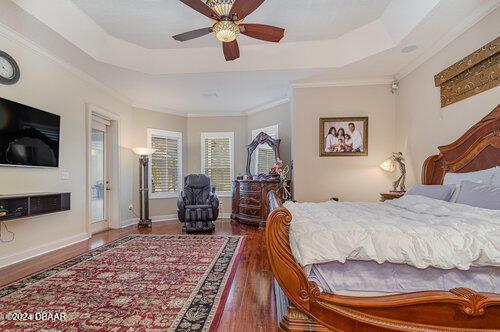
[[459, 309]]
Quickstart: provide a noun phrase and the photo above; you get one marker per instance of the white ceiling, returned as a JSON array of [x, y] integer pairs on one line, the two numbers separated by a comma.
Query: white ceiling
[[196, 80], [151, 24]]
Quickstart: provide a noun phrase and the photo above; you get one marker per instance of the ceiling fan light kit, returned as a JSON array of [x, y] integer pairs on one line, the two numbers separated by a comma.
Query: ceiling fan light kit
[[228, 15], [221, 7], [226, 31]]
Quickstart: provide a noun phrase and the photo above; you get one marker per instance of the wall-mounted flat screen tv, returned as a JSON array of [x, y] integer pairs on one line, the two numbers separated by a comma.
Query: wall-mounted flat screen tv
[[28, 136]]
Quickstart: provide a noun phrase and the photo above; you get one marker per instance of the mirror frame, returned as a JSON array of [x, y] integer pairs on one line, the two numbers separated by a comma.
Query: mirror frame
[[262, 138]]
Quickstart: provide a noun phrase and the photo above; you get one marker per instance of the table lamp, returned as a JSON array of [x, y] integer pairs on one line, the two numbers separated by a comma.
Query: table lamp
[[390, 164]]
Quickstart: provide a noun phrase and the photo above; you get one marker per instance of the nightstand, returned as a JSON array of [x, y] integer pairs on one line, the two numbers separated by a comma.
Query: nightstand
[[392, 195]]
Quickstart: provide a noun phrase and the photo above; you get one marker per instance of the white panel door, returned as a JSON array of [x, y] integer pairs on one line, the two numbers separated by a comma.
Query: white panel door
[[98, 178]]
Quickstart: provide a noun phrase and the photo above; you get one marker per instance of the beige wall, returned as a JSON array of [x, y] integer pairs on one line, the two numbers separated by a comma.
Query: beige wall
[[417, 128], [191, 129], [47, 85], [281, 116], [142, 120], [349, 178], [422, 125], [236, 124]]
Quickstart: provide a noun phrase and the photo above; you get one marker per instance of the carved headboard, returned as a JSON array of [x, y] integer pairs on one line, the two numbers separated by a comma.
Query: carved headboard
[[477, 149]]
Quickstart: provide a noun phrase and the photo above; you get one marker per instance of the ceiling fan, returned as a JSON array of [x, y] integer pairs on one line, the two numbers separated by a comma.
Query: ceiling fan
[[227, 16]]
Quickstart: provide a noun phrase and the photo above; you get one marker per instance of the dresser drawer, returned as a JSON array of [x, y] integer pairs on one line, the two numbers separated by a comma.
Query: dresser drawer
[[251, 199], [250, 211], [249, 186]]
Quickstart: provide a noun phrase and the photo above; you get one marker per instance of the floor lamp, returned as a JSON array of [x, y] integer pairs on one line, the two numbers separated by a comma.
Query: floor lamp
[[144, 154]]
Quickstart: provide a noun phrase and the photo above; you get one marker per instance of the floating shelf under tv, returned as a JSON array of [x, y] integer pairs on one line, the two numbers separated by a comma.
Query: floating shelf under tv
[[34, 204]]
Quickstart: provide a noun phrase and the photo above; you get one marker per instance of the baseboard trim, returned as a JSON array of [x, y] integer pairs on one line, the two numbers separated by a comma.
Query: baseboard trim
[[167, 217], [42, 249], [135, 221]]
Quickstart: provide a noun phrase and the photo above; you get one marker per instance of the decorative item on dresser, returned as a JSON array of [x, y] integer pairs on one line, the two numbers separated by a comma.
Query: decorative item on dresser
[[392, 195], [250, 205]]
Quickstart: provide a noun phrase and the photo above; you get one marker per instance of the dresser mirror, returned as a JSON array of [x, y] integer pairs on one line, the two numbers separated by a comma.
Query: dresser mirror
[[263, 151]]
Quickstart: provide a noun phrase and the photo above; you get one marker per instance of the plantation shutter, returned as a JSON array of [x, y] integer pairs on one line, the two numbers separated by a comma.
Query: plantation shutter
[[218, 162], [265, 157], [165, 162]]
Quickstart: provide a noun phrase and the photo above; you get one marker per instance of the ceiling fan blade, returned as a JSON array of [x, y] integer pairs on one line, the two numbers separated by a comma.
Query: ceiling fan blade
[[192, 34], [231, 50], [243, 8], [201, 7], [262, 32]]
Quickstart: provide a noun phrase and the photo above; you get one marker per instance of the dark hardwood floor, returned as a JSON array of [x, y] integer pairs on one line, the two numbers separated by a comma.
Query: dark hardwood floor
[[250, 305]]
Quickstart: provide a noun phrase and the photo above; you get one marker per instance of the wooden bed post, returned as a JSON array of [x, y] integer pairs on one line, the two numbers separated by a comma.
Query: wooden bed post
[[291, 278]]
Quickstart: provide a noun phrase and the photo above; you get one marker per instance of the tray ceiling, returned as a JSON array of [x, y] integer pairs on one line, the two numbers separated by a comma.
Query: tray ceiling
[[150, 24], [342, 45]]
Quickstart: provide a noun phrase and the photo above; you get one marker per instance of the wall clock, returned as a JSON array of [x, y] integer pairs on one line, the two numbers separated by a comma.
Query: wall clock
[[9, 70]]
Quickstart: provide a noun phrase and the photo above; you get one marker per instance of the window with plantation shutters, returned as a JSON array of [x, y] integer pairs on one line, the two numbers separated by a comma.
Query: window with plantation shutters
[[217, 160], [264, 154], [165, 164]]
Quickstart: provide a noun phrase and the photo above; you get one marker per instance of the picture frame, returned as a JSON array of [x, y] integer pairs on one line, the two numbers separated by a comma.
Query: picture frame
[[343, 137]]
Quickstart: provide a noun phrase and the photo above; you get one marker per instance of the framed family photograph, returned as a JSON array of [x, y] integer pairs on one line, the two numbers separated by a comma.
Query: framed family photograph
[[343, 136]]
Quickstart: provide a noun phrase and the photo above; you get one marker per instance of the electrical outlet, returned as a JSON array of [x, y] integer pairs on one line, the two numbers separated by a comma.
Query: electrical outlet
[[65, 175], [130, 207]]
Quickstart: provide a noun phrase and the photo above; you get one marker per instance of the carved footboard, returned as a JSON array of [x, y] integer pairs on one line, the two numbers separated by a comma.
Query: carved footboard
[[459, 309]]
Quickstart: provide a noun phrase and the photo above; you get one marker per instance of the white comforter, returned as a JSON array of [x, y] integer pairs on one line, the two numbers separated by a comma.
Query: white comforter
[[412, 230]]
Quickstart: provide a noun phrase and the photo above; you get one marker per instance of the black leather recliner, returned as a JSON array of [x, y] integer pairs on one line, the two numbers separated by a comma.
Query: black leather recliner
[[198, 205]]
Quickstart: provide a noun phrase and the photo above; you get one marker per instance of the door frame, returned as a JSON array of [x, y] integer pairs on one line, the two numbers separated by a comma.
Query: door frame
[[113, 137], [101, 225]]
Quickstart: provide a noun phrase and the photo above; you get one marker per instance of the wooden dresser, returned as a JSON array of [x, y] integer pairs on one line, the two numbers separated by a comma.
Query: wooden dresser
[[250, 204]]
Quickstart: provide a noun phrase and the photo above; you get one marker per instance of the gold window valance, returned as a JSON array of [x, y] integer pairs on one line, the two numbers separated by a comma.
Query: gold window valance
[[473, 74]]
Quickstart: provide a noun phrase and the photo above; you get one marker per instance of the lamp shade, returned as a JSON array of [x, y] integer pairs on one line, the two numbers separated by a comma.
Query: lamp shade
[[144, 151], [389, 165]]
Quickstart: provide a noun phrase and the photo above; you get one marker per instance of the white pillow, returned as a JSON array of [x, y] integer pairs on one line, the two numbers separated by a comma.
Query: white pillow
[[484, 176]]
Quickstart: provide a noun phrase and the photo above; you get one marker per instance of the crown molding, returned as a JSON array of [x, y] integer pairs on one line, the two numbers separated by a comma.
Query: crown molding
[[476, 16], [346, 82], [159, 109], [214, 115], [184, 115], [14, 36], [265, 107], [251, 111]]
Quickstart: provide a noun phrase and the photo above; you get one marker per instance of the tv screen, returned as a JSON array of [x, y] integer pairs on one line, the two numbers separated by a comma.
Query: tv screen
[[28, 136]]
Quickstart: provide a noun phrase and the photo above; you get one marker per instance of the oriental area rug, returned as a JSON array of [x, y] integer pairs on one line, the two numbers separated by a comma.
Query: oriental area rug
[[137, 283]]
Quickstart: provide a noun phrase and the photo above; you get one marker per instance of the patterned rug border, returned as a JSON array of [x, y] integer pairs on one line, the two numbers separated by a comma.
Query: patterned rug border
[[227, 286], [39, 276]]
